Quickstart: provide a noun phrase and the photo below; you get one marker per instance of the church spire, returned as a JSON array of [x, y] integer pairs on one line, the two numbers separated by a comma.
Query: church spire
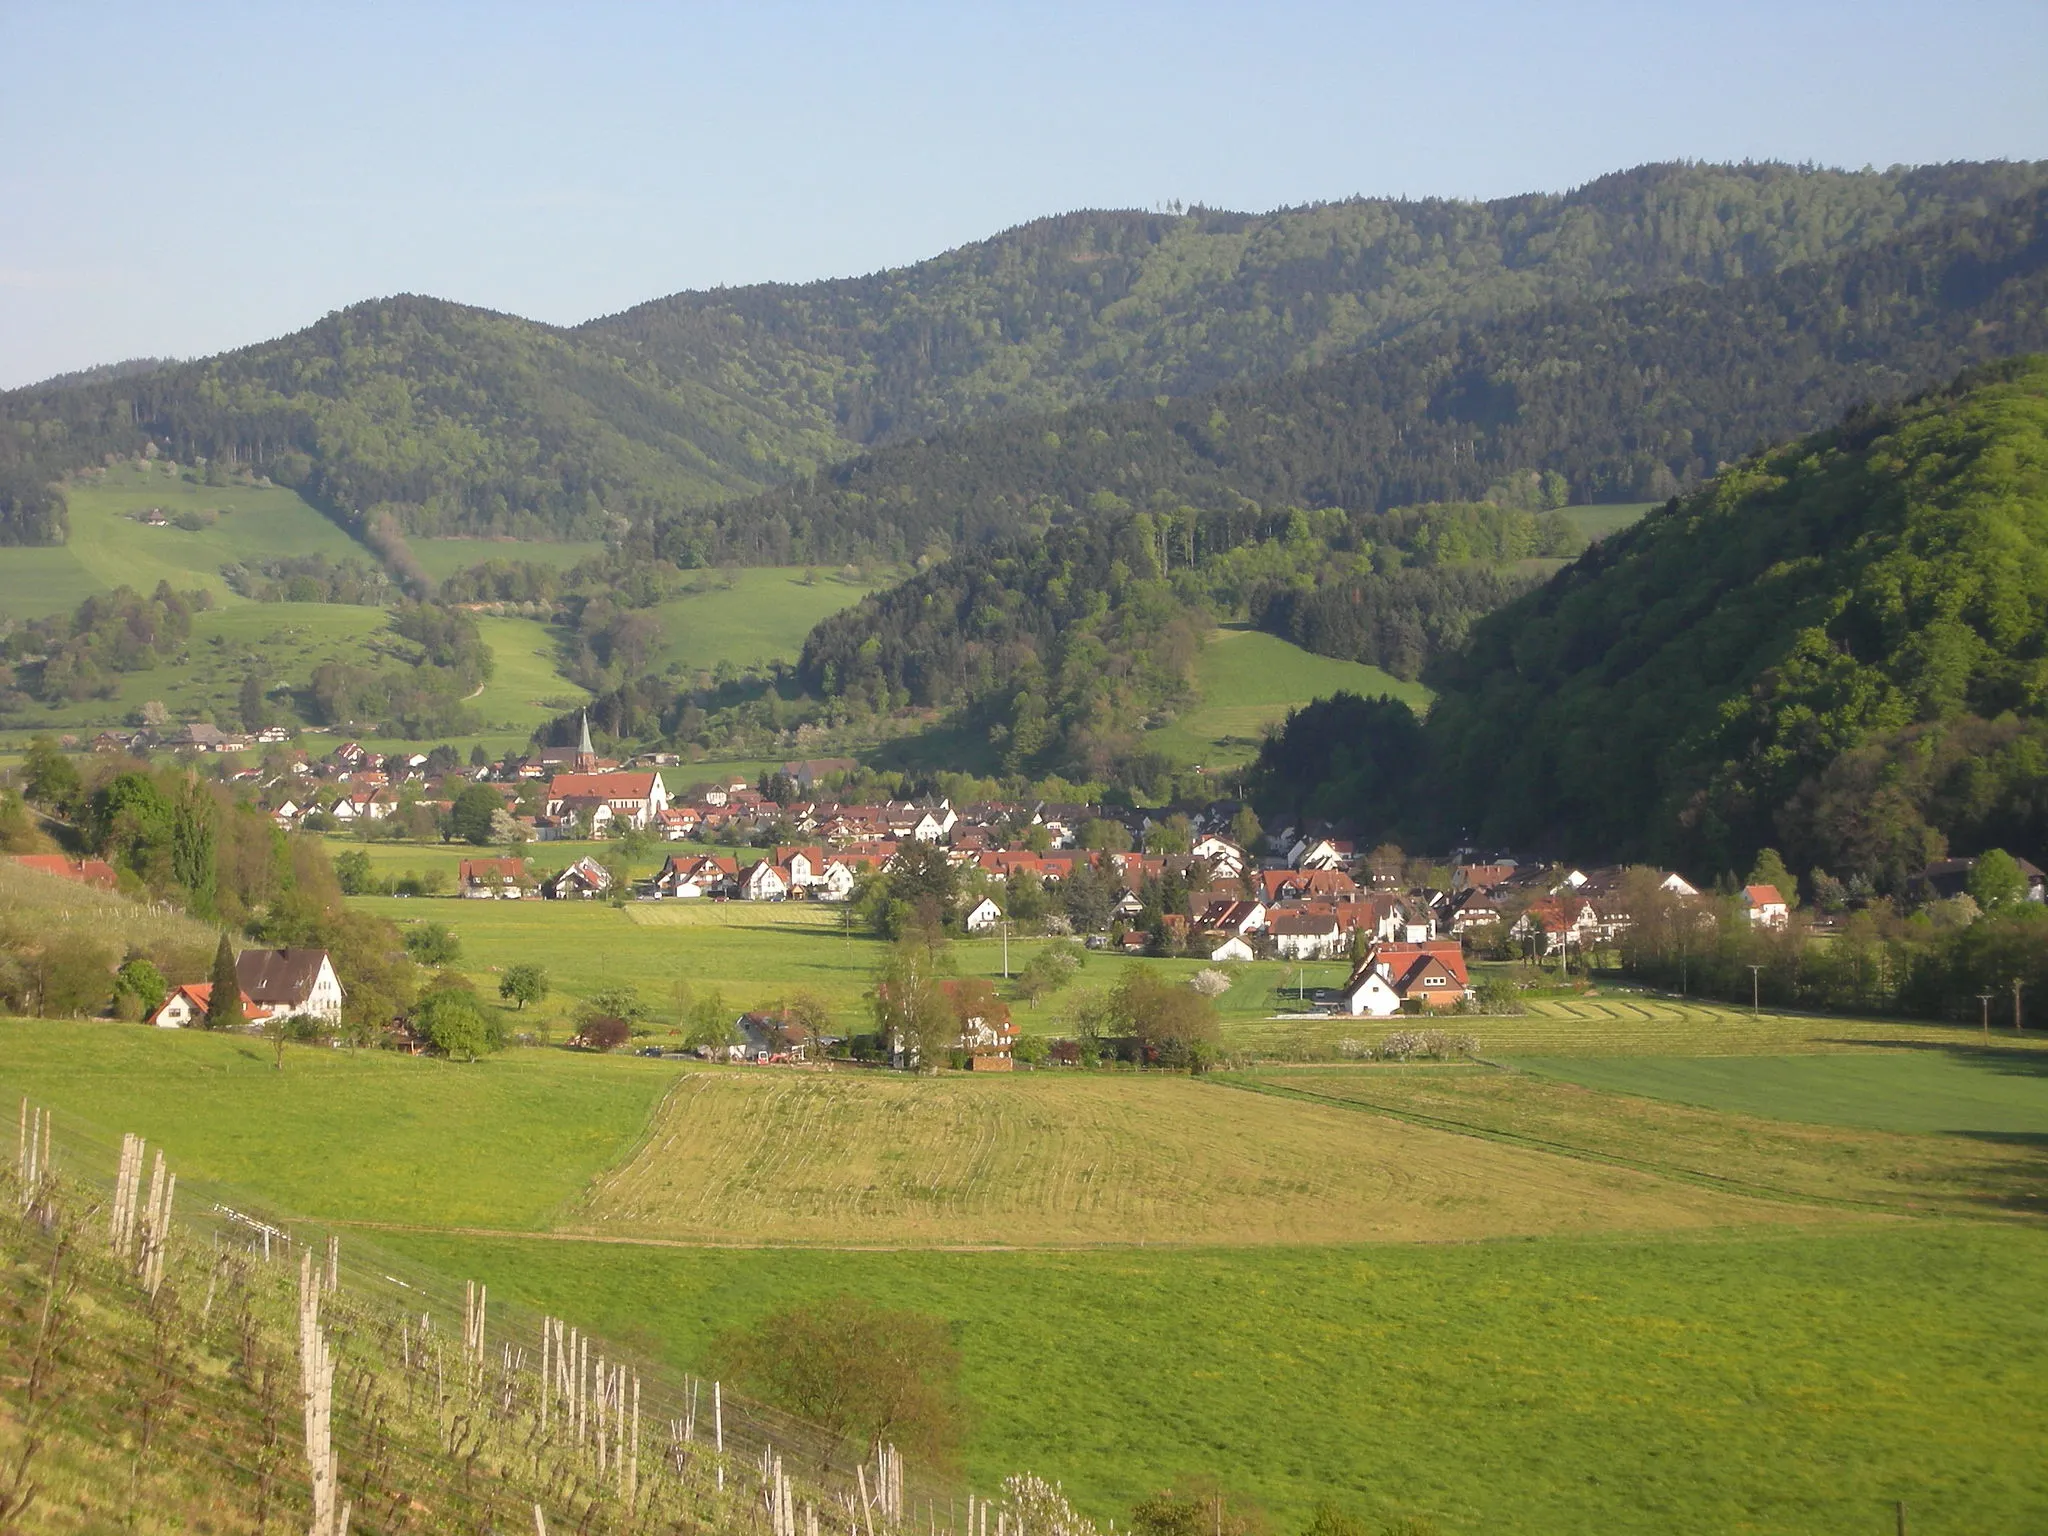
[[586, 754]]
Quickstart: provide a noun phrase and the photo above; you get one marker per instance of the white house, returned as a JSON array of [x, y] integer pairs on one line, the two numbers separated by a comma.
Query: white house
[[1766, 906], [764, 882], [1233, 949], [1306, 935], [983, 916], [835, 882], [275, 983], [634, 798], [1226, 859]]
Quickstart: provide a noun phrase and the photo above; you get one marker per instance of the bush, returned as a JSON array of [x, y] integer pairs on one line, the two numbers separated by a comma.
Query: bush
[[433, 944], [605, 1032], [1210, 982], [456, 1024]]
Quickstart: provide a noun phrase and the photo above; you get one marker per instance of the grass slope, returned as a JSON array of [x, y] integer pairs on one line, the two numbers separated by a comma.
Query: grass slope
[[108, 548], [361, 1135], [442, 558], [1998, 1093], [1789, 1383], [1248, 680], [746, 617]]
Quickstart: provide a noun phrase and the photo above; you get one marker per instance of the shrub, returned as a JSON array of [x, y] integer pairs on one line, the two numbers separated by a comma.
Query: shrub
[[433, 944], [1210, 982], [605, 1032], [456, 1024]]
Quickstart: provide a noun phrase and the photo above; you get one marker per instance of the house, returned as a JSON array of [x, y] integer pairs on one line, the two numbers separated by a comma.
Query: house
[[1428, 975], [1561, 922], [1224, 857], [635, 798], [291, 983], [983, 916], [492, 879], [1233, 948], [97, 873], [568, 817], [1323, 853], [806, 775], [806, 866], [1766, 906], [1235, 917], [585, 880], [1482, 877], [765, 881], [687, 876], [186, 1007], [1306, 935], [1948, 878], [362, 804], [835, 882]]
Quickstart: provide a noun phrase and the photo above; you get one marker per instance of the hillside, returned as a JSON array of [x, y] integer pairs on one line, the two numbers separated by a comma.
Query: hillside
[[1839, 647], [1627, 399], [456, 419]]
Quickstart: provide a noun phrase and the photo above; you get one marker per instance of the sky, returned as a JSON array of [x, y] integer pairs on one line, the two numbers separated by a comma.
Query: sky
[[179, 180]]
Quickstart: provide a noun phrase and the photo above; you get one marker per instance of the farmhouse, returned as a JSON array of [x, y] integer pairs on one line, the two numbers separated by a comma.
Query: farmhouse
[[585, 880], [983, 916], [187, 1005], [1766, 906], [493, 879], [1430, 975], [291, 983]]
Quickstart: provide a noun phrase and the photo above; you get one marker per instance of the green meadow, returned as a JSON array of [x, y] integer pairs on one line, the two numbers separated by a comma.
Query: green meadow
[[1596, 522], [748, 616], [108, 548], [1794, 1375], [1999, 1092], [1249, 680], [442, 558]]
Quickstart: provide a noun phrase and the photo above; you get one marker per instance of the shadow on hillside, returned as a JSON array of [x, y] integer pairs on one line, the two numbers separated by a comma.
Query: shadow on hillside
[[2013, 1060]]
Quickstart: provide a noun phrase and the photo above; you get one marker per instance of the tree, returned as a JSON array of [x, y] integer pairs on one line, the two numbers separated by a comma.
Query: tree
[[470, 818], [456, 1024], [605, 1031], [1024, 896], [1176, 834], [251, 704], [141, 980], [1245, 830], [912, 1013], [352, 871], [433, 944], [523, 984], [1102, 835], [1050, 969], [1089, 895], [710, 1023], [1997, 881], [50, 778], [478, 757], [224, 1003], [1175, 1026], [867, 1375]]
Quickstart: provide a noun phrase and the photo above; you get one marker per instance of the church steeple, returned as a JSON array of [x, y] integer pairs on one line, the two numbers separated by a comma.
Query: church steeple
[[586, 754]]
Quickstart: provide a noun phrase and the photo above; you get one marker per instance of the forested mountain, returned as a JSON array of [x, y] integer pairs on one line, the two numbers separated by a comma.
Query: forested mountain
[[1627, 398], [1838, 648], [1125, 306], [455, 419]]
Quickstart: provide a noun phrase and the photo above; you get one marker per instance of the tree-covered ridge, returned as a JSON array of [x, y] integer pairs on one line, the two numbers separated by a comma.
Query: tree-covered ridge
[[1838, 647], [453, 419], [449, 418], [1628, 398], [1097, 305]]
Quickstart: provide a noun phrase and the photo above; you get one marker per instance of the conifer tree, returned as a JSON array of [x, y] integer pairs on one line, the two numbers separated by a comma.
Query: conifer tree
[[224, 1007]]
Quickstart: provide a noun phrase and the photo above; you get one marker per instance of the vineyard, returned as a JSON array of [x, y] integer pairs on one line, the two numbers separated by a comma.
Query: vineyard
[[869, 1159], [172, 1365]]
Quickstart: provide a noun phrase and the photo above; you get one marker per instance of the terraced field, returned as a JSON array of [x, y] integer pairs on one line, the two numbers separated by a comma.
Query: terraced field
[[881, 1160]]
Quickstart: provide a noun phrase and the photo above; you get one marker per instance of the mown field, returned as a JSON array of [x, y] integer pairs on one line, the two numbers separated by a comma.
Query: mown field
[[1248, 681], [1784, 1359], [442, 558]]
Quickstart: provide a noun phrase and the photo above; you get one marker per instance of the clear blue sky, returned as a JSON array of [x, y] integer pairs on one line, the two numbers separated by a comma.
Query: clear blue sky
[[178, 179]]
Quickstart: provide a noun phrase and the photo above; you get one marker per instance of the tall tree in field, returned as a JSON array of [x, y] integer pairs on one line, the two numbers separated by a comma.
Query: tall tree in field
[[912, 1012], [471, 815], [224, 1006]]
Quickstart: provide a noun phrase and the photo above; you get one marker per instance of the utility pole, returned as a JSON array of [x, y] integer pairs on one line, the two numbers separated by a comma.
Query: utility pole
[[2018, 1026], [1006, 949], [1755, 982], [1985, 999]]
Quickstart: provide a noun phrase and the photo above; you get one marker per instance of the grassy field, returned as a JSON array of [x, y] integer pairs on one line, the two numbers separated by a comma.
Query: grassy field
[[764, 614], [363, 1135], [1999, 1092], [741, 1155], [1598, 522], [1778, 1375], [1773, 1383], [442, 558], [1976, 1166], [1248, 681], [108, 548]]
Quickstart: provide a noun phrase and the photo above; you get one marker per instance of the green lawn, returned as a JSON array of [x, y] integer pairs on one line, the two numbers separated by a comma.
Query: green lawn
[[1766, 1383], [764, 614], [1248, 681], [442, 558], [108, 548], [1955, 1089]]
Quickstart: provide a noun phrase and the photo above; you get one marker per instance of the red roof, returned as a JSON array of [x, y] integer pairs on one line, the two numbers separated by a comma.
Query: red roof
[[95, 872], [1763, 896], [601, 786]]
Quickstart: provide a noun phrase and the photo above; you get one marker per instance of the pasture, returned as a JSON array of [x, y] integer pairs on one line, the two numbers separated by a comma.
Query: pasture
[[1248, 680], [442, 558], [745, 617], [1994, 1091], [109, 548]]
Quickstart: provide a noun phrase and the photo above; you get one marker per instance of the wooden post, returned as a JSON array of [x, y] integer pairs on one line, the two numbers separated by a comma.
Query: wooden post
[[718, 1430]]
